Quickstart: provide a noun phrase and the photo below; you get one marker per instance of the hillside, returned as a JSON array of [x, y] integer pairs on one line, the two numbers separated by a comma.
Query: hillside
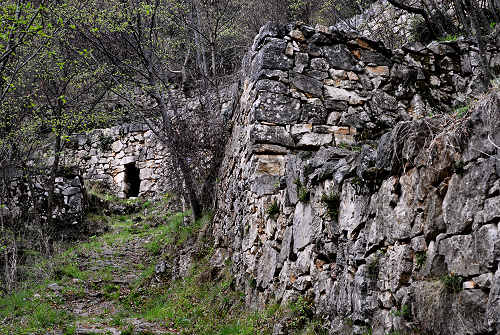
[[165, 171]]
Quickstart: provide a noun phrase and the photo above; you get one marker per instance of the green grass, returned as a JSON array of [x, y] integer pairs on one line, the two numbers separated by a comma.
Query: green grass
[[70, 270], [23, 313], [174, 232], [448, 38], [197, 307]]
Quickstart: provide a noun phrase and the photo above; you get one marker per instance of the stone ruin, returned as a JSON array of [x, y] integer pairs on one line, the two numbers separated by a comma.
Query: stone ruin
[[126, 160]]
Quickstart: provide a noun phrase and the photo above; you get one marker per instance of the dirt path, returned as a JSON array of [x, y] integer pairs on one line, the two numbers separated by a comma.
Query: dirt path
[[99, 277]]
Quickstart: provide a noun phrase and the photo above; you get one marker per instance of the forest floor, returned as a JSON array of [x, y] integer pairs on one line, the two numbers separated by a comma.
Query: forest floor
[[108, 285]]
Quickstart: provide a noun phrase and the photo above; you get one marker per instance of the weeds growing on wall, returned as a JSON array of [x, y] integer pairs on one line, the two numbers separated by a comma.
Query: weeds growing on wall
[[332, 203], [452, 282], [273, 210]]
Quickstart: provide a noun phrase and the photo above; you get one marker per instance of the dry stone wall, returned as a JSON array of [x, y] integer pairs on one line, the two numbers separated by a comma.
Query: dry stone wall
[[25, 199], [349, 181], [128, 160]]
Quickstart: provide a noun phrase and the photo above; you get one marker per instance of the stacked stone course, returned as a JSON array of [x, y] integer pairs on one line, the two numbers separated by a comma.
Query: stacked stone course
[[342, 117]]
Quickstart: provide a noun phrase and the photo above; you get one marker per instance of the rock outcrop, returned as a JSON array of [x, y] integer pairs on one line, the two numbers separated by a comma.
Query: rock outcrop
[[352, 180]]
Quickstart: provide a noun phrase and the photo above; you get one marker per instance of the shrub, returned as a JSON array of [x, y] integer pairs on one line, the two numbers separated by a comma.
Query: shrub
[[448, 38], [461, 111]]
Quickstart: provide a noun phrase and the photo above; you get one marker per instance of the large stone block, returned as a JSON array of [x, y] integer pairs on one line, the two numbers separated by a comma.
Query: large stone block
[[276, 108], [270, 135]]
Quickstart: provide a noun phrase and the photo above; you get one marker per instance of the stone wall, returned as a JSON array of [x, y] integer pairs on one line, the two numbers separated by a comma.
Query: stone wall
[[117, 156], [23, 200], [351, 180]]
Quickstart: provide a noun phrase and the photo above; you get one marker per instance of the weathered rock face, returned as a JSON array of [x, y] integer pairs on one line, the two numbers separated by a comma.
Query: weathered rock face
[[128, 159], [336, 186]]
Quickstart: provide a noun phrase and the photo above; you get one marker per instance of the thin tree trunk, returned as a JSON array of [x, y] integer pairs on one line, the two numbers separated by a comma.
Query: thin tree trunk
[[459, 10], [200, 49], [53, 173], [186, 175], [494, 10], [477, 31]]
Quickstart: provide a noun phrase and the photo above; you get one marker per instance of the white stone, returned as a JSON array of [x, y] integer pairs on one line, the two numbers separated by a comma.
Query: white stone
[[337, 74], [313, 139], [298, 129], [119, 178], [341, 94], [117, 146], [333, 118], [145, 173], [127, 160], [469, 285]]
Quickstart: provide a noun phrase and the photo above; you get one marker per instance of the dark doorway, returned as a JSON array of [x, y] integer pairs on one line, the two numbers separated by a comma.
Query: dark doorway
[[132, 180]]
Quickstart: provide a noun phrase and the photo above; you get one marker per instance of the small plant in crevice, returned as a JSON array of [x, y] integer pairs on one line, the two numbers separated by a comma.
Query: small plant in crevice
[[373, 269], [303, 193], [308, 169], [404, 312], [273, 210], [105, 142], [459, 167], [420, 258], [460, 112], [368, 331], [302, 311], [332, 203], [452, 282]]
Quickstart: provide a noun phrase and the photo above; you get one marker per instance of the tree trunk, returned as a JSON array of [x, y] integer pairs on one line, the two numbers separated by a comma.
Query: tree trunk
[[463, 19], [485, 76], [52, 180], [200, 49], [418, 11], [178, 160]]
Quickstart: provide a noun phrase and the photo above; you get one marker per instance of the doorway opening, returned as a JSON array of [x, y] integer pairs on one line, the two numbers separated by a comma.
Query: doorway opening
[[132, 180]]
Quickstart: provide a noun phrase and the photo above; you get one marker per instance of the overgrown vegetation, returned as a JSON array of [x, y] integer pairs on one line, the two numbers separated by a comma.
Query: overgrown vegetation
[[202, 302]]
